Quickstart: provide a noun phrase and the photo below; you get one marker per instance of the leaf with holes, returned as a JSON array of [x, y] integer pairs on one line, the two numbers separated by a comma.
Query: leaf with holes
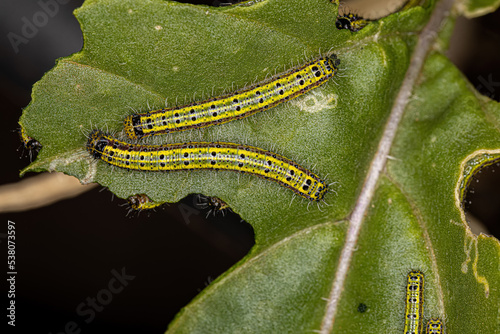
[[397, 131]]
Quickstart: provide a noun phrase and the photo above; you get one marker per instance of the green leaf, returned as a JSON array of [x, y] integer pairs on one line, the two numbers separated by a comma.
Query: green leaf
[[138, 53], [474, 8]]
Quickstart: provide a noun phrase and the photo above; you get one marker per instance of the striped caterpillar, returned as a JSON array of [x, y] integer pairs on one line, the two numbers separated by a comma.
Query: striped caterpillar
[[414, 311], [351, 21], [240, 104], [414, 302], [214, 204], [208, 156], [30, 144], [141, 202], [434, 326]]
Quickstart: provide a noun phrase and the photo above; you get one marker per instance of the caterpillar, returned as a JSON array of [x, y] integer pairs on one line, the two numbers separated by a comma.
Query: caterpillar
[[351, 21], [414, 302], [29, 143], [240, 104], [215, 205], [141, 202], [355, 22], [434, 326], [210, 156]]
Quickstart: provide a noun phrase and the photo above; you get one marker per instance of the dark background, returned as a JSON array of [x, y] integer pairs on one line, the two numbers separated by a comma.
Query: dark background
[[66, 251]]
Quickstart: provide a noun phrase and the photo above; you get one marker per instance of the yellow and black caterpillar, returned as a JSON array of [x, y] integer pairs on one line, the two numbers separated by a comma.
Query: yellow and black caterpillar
[[352, 22], [434, 326], [414, 302], [242, 103], [210, 156]]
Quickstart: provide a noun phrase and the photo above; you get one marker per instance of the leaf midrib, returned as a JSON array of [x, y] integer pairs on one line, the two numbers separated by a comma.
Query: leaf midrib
[[425, 43]]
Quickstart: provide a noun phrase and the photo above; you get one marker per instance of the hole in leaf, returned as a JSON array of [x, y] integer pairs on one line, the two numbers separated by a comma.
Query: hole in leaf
[[482, 200]]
